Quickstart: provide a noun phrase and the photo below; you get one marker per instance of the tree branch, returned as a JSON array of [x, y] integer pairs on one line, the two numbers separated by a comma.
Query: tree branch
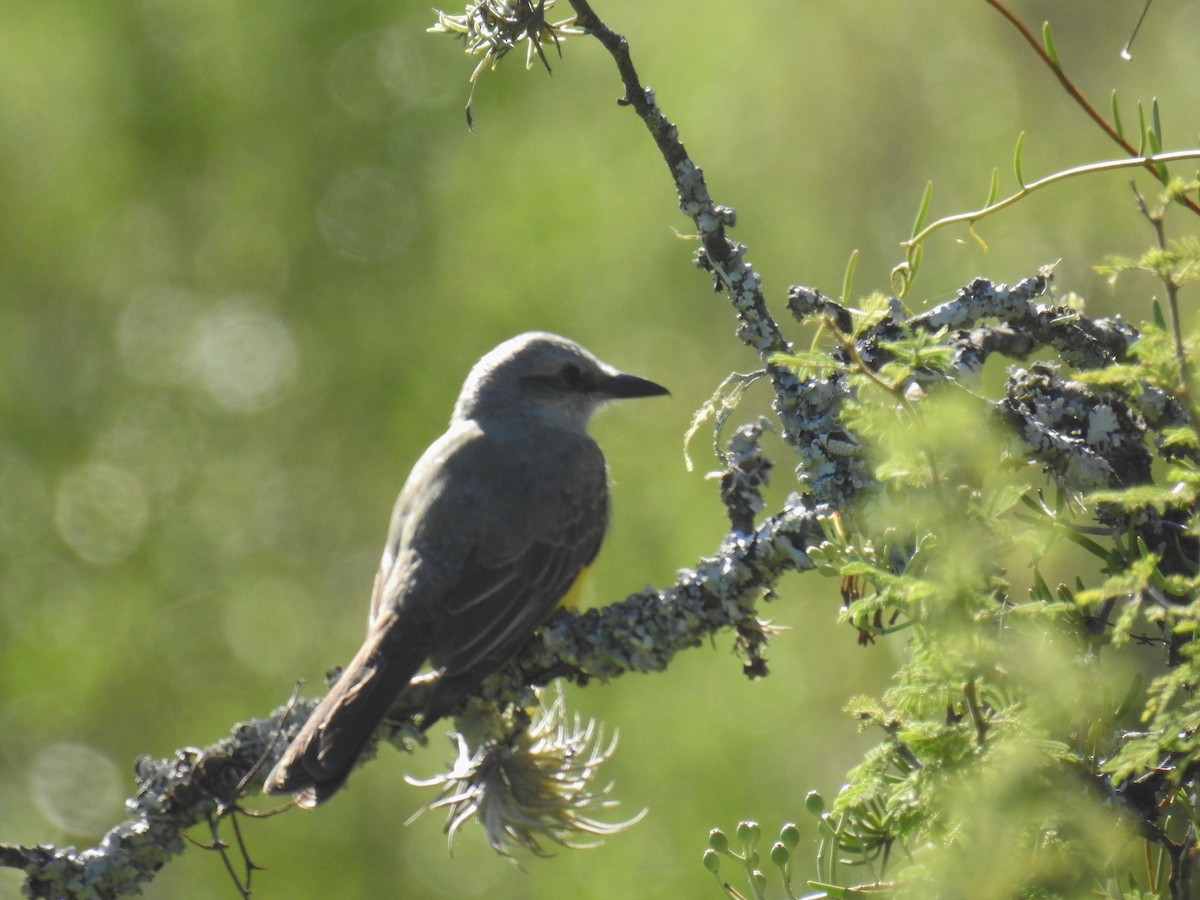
[[720, 255], [1082, 102]]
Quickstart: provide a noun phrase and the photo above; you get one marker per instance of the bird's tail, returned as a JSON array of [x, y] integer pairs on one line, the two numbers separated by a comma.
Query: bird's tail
[[320, 758]]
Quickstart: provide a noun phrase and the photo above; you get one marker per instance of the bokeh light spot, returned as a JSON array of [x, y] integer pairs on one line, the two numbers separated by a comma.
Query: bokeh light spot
[[380, 73], [244, 359], [366, 215], [76, 787], [101, 511], [153, 331]]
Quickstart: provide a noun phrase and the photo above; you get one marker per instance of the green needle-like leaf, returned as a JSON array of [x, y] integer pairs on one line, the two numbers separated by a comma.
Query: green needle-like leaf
[[1048, 41], [923, 209], [848, 276]]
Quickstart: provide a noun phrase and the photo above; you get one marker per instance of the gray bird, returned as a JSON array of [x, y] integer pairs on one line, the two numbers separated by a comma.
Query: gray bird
[[494, 529]]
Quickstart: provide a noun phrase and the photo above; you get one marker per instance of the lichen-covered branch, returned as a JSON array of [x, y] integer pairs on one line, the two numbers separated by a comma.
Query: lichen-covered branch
[[193, 786], [718, 253]]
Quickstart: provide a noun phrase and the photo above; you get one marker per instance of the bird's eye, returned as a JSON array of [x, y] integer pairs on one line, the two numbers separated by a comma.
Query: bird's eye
[[570, 374]]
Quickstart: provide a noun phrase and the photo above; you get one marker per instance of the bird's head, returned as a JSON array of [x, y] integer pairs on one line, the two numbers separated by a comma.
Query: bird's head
[[542, 377]]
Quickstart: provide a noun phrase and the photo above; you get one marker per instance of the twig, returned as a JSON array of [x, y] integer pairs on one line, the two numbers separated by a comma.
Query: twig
[[1026, 189], [1077, 95], [721, 256]]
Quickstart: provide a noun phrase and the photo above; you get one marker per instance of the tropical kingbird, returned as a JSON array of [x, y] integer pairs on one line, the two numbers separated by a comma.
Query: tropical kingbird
[[494, 528]]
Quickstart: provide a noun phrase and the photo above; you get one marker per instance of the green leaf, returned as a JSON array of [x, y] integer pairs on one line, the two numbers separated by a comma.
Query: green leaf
[[1048, 41], [994, 190], [923, 209], [848, 276], [1153, 143], [1090, 546], [1156, 312], [1130, 582], [1040, 591], [1180, 436], [1017, 159], [804, 360], [1116, 117], [1131, 696], [1155, 137], [1139, 497]]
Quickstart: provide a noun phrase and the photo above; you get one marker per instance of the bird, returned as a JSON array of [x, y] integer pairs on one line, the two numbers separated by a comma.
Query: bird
[[495, 528]]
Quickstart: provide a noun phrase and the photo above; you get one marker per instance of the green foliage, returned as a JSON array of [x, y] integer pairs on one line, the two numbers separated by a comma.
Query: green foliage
[[1018, 711], [1176, 261], [1041, 735], [1031, 745]]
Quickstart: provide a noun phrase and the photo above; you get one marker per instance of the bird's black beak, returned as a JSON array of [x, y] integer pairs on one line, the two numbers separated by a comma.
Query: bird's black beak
[[621, 386]]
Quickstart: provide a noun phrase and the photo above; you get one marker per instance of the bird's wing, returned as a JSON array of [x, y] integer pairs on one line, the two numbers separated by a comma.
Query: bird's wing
[[532, 540], [487, 538], [427, 531]]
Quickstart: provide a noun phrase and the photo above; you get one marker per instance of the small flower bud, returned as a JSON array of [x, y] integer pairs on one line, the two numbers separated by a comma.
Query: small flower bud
[[718, 841], [790, 835], [780, 854], [748, 832], [712, 860], [814, 803], [760, 880]]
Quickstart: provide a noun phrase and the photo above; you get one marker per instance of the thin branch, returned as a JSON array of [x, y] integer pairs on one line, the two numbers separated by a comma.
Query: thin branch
[[1105, 166], [723, 257], [1157, 220], [1077, 95]]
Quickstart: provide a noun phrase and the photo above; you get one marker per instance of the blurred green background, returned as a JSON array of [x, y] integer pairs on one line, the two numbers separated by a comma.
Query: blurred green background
[[248, 251]]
